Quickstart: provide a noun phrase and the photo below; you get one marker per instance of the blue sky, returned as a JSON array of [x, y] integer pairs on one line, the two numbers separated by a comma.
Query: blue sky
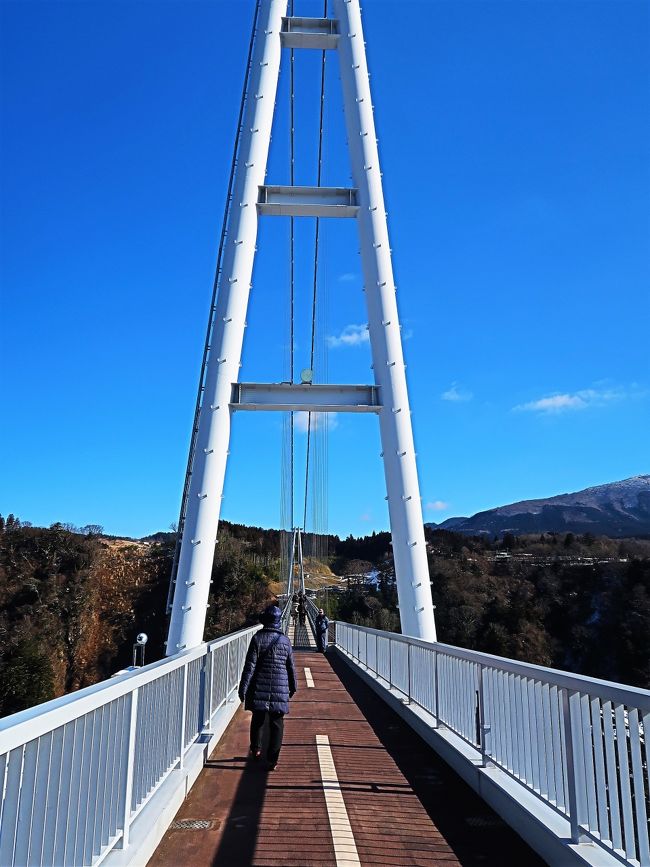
[[515, 146]]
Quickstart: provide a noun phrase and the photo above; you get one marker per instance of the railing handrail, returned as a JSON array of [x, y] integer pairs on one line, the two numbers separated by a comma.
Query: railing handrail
[[26, 725], [605, 689]]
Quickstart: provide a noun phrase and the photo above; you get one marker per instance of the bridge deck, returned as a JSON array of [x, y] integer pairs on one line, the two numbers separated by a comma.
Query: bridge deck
[[395, 802]]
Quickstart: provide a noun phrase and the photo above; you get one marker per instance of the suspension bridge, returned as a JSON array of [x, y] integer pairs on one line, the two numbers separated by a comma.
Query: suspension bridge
[[399, 749]]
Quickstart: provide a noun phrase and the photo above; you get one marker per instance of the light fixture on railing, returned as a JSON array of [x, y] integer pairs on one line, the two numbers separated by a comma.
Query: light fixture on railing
[[140, 641]]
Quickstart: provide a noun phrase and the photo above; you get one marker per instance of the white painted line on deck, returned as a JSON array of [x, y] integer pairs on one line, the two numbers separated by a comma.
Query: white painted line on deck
[[345, 849], [309, 678]]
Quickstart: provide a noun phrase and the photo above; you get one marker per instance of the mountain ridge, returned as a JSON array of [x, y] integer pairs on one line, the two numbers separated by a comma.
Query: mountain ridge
[[613, 509]]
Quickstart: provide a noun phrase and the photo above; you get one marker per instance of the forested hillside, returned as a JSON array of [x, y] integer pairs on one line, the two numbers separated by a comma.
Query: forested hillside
[[71, 602], [579, 603]]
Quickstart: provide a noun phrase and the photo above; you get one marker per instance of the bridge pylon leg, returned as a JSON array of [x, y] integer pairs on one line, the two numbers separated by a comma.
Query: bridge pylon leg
[[404, 504], [213, 437]]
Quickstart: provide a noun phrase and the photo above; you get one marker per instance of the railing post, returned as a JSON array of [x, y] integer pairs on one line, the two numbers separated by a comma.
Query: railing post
[[211, 687], [436, 694], [181, 746], [207, 688], [570, 707], [390, 664], [130, 768], [485, 728], [227, 672], [408, 672]]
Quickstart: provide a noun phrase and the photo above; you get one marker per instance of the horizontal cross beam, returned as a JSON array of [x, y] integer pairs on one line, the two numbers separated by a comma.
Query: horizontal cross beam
[[321, 33], [304, 397], [292, 201]]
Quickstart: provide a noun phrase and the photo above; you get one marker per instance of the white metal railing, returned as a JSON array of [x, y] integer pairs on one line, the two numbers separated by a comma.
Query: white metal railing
[[312, 613], [76, 772], [578, 743], [286, 614]]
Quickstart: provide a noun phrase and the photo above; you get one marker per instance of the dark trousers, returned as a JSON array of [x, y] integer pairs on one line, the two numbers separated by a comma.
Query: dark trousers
[[275, 723]]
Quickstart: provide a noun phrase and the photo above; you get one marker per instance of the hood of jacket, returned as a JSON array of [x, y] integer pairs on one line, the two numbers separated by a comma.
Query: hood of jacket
[[272, 617]]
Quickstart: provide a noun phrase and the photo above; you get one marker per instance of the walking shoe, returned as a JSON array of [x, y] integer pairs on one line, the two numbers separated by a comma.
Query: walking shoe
[[272, 766]]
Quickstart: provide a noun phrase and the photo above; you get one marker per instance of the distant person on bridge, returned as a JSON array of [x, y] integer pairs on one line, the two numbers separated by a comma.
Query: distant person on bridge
[[302, 610], [322, 625], [267, 683]]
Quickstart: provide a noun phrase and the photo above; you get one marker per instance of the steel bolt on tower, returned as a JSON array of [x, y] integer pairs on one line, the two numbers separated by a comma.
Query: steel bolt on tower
[[250, 199]]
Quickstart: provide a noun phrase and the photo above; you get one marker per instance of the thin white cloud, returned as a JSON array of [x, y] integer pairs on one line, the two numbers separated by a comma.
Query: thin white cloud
[[457, 394], [348, 277], [352, 335], [437, 506], [318, 421], [586, 398]]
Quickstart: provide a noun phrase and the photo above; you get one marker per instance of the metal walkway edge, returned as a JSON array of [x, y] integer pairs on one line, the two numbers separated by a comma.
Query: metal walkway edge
[[354, 786]]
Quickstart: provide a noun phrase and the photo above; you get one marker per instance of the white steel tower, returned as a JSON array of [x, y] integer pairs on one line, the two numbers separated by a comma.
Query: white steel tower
[[222, 393]]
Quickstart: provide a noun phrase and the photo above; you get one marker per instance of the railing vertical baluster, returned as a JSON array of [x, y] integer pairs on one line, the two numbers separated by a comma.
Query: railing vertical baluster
[[498, 743], [538, 705], [643, 844], [227, 671], [624, 779], [408, 672], [549, 750], [517, 749], [209, 669], [557, 735], [436, 693], [599, 772], [25, 803], [130, 756], [571, 712], [48, 816], [113, 817], [376, 657], [181, 746], [484, 725]]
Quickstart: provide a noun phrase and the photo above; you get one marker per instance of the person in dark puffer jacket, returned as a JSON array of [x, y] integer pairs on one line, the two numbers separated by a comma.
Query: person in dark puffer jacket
[[267, 683]]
